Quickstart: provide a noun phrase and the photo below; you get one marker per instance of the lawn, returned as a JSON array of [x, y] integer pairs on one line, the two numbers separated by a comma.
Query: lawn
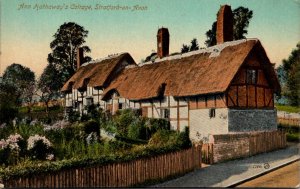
[[286, 108]]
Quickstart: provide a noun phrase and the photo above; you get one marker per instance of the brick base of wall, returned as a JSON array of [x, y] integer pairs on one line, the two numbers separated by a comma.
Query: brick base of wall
[[237, 145]]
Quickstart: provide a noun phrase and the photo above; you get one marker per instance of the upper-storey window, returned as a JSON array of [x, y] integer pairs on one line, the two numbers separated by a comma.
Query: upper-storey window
[[251, 76]]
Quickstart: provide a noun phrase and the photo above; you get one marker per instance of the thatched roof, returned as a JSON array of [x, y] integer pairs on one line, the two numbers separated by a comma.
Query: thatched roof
[[199, 72], [97, 73]]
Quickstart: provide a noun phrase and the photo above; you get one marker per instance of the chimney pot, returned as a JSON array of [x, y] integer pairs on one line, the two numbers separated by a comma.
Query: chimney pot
[[224, 24], [163, 41], [79, 57]]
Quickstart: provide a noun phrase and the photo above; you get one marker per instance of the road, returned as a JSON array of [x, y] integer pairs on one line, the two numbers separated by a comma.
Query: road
[[285, 177]]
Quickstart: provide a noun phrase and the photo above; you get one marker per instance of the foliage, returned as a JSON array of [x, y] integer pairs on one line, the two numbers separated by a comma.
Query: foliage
[[39, 147], [193, 47], [92, 126], [123, 119], [290, 109], [33, 168], [50, 83], [23, 80], [68, 38], [8, 102], [293, 137], [185, 48], [167, 137], [211, 35], [289, 77], [241, 20]]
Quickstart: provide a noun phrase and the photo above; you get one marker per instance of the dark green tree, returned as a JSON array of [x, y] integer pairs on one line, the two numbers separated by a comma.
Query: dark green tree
[[211, 35], [22, 79], [241, 20], [289, 76], [185, 48], [194, 45], [67, 39], [8, 102], [50, 83]]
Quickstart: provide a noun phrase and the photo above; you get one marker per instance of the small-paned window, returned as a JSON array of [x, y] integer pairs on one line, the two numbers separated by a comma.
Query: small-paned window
[[212, 112], [89, 101], [165, 113], [251, 76]]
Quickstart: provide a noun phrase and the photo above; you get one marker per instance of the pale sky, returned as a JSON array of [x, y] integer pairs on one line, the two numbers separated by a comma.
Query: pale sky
[[27, 33]]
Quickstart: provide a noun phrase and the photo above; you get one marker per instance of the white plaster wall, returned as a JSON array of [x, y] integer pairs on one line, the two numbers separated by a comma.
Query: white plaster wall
[[201, 125], [173, 102], [183, 112], [173, 125], [173, 113], [164, 101], [183, 124], [150, 112]]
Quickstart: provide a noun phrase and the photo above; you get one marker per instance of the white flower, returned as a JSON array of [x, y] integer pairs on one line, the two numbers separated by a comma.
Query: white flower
[[3, 144], [11, 142], [50, 157], [33, 139]]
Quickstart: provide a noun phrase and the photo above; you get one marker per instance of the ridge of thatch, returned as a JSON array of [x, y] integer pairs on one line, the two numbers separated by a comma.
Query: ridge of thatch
[[188, 75], [96, 73]]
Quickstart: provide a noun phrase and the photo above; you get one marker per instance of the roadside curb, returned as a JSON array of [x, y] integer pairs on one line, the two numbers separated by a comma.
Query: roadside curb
[[263, 173]]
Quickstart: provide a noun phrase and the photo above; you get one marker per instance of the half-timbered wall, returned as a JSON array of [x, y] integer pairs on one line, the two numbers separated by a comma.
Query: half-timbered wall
[[250, 88]]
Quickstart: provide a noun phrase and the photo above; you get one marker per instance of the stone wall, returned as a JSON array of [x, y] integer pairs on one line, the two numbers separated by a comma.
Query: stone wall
[[252, 120]]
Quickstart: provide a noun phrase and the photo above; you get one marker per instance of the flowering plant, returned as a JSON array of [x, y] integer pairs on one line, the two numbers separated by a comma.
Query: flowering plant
[[10, 148], [39, 147]]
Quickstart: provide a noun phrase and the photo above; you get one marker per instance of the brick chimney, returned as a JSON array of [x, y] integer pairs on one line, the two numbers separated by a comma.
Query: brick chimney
[[163, 41], [79, 57], [224, 24]]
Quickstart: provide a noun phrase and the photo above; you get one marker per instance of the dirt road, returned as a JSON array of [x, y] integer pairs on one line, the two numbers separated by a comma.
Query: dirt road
[[288, 176]]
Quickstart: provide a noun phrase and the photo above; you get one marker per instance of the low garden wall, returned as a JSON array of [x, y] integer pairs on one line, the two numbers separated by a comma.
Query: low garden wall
[[231, 146], [120, 174]]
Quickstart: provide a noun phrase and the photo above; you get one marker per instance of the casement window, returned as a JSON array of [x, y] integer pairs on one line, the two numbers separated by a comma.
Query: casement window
[[89, 101], [212, 112], [165, 113], [251, 76]]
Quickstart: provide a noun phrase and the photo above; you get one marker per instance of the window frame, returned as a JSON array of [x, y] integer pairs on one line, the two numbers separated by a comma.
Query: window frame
[[212, 113], [251, 76]]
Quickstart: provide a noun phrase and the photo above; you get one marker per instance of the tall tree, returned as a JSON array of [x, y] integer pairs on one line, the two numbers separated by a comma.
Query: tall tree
[[289, 76], [8, 102], [211, 36], [194, 45], [50, 83], [22, 79], [67, 39], [241, 20], [185, 48]]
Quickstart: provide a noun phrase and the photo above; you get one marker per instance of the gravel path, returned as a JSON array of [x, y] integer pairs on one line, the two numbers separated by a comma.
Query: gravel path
[[232, 172]]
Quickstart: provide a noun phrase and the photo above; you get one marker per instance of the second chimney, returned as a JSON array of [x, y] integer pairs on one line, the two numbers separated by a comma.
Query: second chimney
[[224, 24], [163, 41], [79, 57]]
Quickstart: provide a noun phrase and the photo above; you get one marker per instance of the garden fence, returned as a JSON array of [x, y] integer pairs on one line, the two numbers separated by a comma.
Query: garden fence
[[117, 174]]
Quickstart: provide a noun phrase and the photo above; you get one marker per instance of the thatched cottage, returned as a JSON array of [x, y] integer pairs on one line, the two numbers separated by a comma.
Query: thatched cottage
[[225, 88]]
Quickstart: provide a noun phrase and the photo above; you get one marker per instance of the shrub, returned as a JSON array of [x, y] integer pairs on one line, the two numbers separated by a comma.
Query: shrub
[[11, 149], [123, 119], [92, 126], [39, 147], [137, 130]]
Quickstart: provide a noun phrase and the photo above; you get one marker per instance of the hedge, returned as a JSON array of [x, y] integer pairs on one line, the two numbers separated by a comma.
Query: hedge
[[35, 168]]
